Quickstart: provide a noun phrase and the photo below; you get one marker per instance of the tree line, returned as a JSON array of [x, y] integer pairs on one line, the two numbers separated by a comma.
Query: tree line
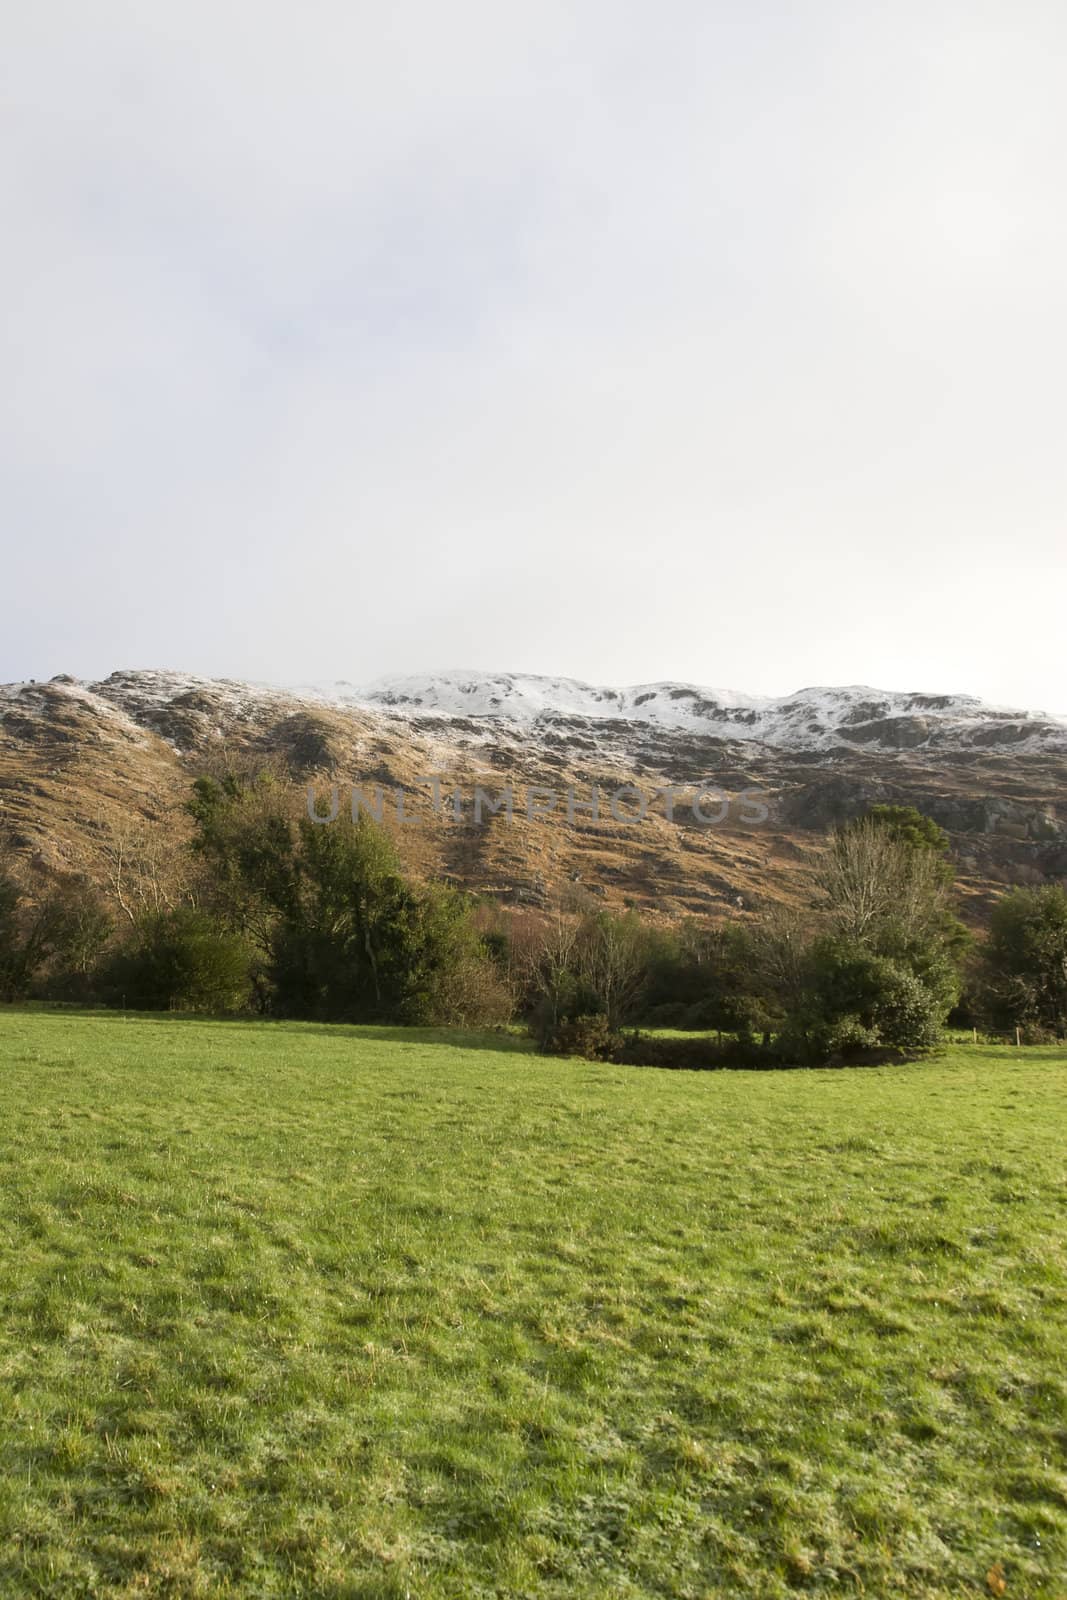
[[267, 913]]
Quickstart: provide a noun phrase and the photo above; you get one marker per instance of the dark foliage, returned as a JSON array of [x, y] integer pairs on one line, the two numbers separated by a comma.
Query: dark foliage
[[1024, 964], [180, 960]]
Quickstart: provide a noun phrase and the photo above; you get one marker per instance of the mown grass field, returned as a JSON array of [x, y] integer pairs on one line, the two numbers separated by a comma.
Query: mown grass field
[[293, 1310]]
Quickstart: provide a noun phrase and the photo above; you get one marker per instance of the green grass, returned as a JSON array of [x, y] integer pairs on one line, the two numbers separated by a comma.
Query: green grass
[[293, 1310]]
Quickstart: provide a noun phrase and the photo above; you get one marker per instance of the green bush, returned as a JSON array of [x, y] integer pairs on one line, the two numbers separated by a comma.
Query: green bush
[[851, 1001], [591, 1036], [906, 1012], [180, 960]]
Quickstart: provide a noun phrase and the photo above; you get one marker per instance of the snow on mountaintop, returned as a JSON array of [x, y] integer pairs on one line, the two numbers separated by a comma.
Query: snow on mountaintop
[[816, 718]]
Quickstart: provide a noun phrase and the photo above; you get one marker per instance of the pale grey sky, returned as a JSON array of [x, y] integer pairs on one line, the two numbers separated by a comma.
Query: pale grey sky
[[715, 341]]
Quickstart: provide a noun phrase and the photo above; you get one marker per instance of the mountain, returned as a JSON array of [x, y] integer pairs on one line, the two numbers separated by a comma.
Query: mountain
[[810, 720], [83, 764]]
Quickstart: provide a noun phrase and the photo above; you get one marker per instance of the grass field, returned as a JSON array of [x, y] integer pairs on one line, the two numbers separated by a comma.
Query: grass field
[[293, 1310]]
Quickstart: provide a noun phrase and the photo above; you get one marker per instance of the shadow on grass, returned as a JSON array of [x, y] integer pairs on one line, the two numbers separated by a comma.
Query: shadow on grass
[[456, 1037], [671, 1050]]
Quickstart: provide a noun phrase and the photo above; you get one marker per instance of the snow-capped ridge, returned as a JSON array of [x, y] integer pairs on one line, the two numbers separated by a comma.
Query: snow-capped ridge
[[815, 719], [811, 718]]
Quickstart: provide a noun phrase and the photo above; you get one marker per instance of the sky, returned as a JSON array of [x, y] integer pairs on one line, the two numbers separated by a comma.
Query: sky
[[721, 342]]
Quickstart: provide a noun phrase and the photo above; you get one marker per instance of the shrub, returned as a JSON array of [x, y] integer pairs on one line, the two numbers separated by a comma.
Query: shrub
[[1034, 1033], [905, 1014], [591, 1036], [180, 960], [851, 1001]]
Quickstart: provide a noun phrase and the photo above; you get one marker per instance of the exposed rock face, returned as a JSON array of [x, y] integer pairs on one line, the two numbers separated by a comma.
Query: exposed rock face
[[78, 761], [890, 733], [836, 799]]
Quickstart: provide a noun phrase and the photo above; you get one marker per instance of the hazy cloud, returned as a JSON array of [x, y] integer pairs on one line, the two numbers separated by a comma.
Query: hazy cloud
[[715, 341]]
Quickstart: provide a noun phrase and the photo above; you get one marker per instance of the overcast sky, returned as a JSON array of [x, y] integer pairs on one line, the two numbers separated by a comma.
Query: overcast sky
[[715, 341]]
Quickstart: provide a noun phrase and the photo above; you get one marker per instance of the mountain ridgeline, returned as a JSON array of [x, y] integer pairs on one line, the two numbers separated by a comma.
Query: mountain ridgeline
[[86, 766]]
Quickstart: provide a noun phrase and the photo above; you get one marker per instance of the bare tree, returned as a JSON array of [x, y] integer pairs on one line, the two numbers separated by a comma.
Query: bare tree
[[145, 865], [779, 942], [597, 962], [612, 962], [549, 964], [869, 881]]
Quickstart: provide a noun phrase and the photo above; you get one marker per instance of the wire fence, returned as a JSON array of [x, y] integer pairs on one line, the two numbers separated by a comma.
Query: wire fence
[[1019, 1037]]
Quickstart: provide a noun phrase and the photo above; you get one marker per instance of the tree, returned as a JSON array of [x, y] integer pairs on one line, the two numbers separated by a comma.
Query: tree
[[16, 963], [871, 883], [344, 934], [145, 865], [550, 981], [81, 928], [613, 956], [779, 968], [880, 891], [911, 827], [1025, 960], [590, 963], [703, 974], [63, 925], [882, 965]]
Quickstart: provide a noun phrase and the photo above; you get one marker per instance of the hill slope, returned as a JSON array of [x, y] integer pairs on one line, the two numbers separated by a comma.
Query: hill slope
[[82, 763]]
